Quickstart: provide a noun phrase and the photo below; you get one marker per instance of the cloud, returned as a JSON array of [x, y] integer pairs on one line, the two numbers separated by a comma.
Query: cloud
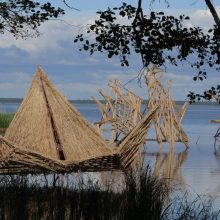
[[22, 77], [51, 33], [80, 90], [174, 76], [203, 17], [13, 90]]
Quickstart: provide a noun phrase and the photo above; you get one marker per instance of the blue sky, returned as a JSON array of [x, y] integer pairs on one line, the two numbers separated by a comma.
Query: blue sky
[[77, 74], [93, 5]]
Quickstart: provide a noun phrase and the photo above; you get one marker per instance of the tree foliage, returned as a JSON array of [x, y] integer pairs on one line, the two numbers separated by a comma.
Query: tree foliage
[[158, 39], [212, 94], [22, 17]]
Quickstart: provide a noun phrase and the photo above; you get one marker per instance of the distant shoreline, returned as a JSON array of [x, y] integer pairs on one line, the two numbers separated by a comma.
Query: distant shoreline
[[89, 101]]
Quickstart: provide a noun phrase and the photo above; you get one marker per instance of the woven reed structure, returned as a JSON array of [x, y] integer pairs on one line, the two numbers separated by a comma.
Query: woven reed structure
[[169, 116], [120, 113], [47, 134]]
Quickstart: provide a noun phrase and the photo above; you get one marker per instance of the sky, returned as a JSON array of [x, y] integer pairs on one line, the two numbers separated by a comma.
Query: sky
[[79, 75]]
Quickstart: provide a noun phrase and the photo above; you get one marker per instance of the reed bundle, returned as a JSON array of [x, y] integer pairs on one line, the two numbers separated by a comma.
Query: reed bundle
[[169, 116]]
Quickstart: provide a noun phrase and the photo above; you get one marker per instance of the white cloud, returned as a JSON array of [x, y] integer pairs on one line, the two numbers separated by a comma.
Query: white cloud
[[21, 77], [203, 17], [79, 90], [15, 90], [52, 32], [174, 76], [122, 77]]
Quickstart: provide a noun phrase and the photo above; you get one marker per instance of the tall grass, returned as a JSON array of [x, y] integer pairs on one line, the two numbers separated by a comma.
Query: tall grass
[[142, 197], [5, 119]]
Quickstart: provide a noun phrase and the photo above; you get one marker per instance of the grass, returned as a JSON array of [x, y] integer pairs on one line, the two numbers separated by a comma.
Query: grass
[[5, 120], [141, 197]]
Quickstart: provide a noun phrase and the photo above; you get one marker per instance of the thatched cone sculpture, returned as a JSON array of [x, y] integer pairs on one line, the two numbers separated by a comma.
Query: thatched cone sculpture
[[49, 134]]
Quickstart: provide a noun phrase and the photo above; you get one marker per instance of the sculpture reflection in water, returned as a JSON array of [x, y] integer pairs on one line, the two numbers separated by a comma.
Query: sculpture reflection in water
[[165, 165], [168, 165], [217, 149], [217, 139]]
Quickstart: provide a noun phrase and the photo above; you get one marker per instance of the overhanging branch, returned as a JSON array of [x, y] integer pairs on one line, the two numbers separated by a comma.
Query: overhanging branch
[[213, 12]]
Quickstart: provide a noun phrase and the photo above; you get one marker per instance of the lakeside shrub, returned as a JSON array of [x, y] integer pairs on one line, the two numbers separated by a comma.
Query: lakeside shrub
[[5, 119]]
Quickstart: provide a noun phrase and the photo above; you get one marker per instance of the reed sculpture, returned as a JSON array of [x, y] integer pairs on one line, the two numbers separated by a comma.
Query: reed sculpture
[[47, 134], [121, 111]]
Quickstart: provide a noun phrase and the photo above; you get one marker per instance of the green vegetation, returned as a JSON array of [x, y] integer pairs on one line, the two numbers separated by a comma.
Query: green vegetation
[[22, 18], [5, 120], [141, 197]]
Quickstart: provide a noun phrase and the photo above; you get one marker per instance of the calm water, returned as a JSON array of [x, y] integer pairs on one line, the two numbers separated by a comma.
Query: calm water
[[198, 169]]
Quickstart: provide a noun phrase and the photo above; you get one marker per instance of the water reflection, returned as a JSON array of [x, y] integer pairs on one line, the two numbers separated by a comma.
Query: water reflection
[[217, 150], [168, 165], [217, 142]]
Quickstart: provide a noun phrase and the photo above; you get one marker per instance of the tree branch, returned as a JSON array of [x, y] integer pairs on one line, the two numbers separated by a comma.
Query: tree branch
[[213, 12], [139, 15], [64, 1]]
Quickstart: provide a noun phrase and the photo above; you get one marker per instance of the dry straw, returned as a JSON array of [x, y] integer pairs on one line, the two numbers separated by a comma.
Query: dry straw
[[120, 113], [169, 116]]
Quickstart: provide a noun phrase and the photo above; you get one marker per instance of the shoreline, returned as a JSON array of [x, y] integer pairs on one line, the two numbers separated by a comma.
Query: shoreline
[[89, 101]]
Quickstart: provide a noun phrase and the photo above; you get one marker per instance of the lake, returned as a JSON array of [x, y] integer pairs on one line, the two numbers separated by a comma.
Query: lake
[[197, 169]]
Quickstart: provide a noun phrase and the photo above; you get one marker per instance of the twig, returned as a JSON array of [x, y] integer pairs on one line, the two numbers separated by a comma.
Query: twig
[[64, 1]]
